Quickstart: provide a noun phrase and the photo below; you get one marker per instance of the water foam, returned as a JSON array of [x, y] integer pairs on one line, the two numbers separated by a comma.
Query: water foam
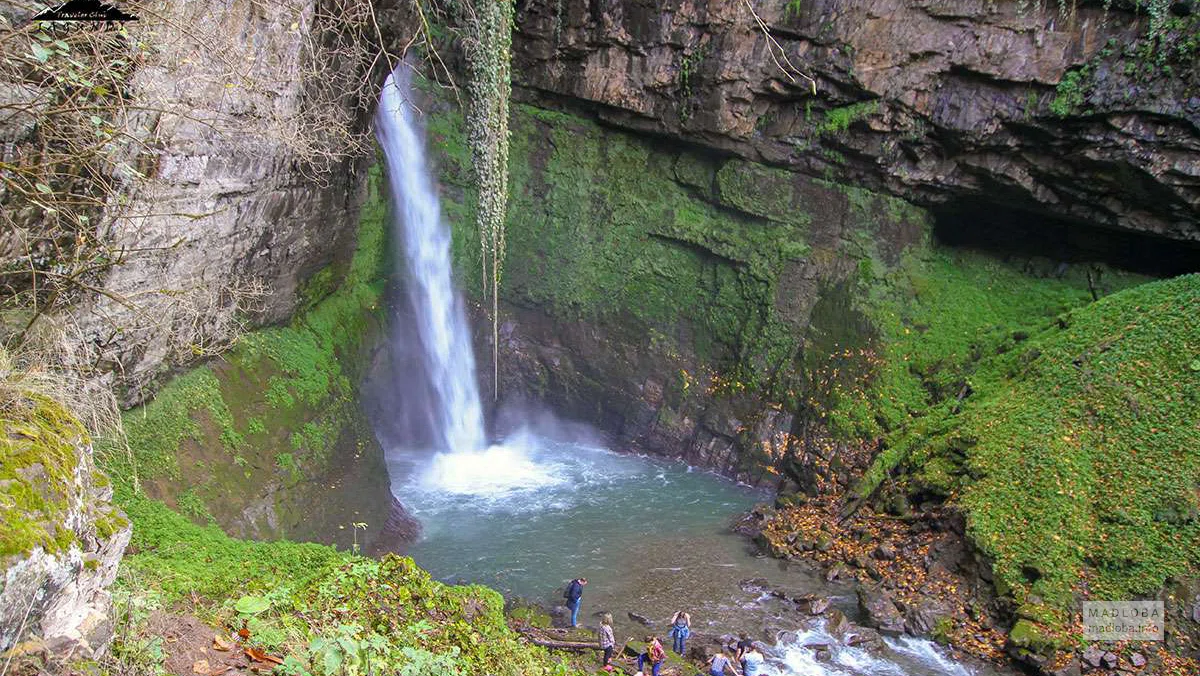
[[495, 472]]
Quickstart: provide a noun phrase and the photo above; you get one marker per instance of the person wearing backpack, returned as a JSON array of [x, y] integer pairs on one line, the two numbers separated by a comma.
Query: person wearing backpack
[[574, 596], [654, 654]]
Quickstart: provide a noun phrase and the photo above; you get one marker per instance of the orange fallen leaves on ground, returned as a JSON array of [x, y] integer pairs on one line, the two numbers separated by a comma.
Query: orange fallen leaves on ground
[[260, 656]]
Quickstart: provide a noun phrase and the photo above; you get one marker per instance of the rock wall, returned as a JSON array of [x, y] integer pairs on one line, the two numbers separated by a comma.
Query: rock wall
[[269, 440], [666, 295], [968, 102], [251, 177], [62, 537], [739, 316]]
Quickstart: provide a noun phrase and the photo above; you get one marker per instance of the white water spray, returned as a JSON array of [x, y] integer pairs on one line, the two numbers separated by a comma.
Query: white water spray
[[441, 322]]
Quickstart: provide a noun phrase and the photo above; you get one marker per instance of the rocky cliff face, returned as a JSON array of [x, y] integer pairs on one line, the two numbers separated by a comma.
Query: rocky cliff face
[[62, 537], [971, 104]]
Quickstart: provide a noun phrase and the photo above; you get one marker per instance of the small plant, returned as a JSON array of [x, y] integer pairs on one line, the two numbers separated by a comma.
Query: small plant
[[792, 9], [1070, 95]]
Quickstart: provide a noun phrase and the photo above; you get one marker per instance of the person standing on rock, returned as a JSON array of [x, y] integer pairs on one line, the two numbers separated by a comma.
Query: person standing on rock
[[744, 643], [681, 628], [574, 596], [607, 640], [654, 654]]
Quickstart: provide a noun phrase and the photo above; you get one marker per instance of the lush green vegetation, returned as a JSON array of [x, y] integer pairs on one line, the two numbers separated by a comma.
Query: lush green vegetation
[[1072, 450], [323, 611], [40, 452], [220, 429], [603, 225]]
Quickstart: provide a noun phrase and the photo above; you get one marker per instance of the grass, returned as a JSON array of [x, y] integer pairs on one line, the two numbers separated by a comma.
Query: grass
[[1083, 452], [325, 611]]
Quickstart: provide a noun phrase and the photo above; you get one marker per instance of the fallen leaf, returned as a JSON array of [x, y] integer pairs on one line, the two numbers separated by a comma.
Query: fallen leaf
[[201, 667], [244, 632], [255, 654], [221, 644], [260, 656]]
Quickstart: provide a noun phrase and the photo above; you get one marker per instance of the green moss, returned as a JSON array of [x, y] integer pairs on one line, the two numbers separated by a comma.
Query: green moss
[[1030, 636], [1080, 446], [317, 597], [598, 227], [282, 388], [39, 455], [1071, 449], [840, 119], [193, 506]]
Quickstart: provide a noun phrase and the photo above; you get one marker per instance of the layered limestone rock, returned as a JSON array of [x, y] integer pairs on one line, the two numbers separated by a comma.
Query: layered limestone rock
[[964, 102], [62, 537]]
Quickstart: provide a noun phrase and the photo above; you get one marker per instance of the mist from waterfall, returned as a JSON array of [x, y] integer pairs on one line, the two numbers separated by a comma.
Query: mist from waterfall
[[423, 241]]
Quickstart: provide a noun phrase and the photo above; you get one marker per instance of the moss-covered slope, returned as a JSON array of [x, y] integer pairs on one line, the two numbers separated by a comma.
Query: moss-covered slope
[[1080, 451], [258, 440]]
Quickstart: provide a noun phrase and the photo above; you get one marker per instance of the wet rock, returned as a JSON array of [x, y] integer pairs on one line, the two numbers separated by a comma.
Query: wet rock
[[1110, 660], [837, 624], [1068, 667], [815, 606], [400, 530], [944, 63], [837, 572], [880, 610], [1092, 657], [924, 616], [864, 637], [640, 619], [754, 585]]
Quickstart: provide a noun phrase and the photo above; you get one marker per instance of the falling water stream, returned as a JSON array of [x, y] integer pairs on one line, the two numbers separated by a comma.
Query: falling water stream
[[547, 503]]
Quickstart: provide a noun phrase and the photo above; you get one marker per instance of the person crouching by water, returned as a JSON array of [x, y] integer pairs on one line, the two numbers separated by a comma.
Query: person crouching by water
[[574, 596], [753, 662], [654, 654], [681, 628], [607, 640], [717, 664]]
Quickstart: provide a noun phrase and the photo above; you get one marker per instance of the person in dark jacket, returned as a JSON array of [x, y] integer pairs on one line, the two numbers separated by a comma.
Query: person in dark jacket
[[574, 596]]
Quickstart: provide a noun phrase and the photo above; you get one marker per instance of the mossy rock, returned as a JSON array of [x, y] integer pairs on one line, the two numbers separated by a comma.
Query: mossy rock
[[1035, 638], [44, 473]]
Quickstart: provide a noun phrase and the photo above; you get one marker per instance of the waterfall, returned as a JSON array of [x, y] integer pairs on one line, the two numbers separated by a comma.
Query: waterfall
[[424, 242]]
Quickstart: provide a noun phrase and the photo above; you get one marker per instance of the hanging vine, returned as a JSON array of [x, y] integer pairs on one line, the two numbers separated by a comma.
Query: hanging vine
[[487, 41]]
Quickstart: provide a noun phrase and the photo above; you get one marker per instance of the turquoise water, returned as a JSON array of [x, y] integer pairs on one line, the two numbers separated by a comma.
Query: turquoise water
[[652, 537]]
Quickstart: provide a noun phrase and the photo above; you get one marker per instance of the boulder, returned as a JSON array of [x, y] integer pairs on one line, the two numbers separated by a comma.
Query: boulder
[[66, 537], [880, 611], [1092, 657], [923, 617]]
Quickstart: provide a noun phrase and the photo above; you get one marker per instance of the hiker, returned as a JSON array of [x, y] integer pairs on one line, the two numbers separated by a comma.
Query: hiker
[[574, 595], [744, 643], [753, 662], [717, 664], [607, 640], [681, 628], [654, 654]]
